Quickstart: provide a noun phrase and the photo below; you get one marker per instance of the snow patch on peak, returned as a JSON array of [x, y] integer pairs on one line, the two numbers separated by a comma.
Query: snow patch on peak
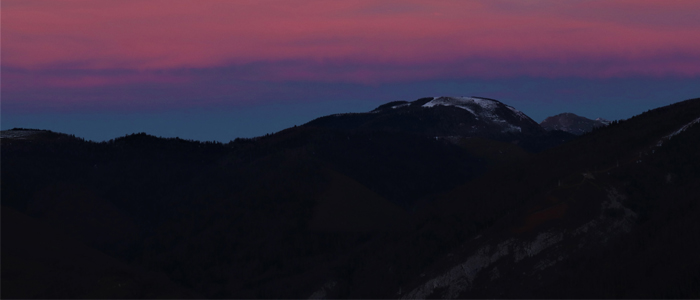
[[520, 114], [485, 103], [481, 108], [460, 102], [464, 103], [604, 121], [17, 134]]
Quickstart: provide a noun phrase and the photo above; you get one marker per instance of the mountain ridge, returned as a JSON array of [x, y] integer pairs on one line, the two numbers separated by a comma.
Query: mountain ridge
[[610, 213]]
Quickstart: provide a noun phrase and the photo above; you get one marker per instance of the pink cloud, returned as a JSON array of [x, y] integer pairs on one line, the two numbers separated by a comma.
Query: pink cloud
[[77, 79], [408, 39]]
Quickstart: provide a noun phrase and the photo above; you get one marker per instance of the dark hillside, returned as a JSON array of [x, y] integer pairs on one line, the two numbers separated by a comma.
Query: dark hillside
[[235, 220], [366, 212], [590, 218]]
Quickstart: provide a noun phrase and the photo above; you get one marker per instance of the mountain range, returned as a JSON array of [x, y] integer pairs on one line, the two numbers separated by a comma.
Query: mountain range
[[447, 197]]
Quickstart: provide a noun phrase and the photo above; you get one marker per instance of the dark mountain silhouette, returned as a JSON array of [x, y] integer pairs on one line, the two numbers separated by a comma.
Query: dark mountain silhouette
[[572, 123], [352, 206], [440, 116], [450, 117]]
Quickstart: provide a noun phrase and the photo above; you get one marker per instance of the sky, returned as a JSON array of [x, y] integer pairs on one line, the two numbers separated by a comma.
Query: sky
[[217, 70]]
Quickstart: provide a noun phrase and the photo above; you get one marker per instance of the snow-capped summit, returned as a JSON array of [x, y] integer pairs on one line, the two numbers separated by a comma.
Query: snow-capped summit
[[485, 108], [442, 117]]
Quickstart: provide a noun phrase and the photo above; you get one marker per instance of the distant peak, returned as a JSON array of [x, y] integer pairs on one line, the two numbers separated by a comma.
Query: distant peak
[[572, 123], [604, 121], [565, 114]]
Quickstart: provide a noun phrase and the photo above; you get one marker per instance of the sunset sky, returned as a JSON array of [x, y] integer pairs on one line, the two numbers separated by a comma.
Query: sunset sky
[[217, 70]]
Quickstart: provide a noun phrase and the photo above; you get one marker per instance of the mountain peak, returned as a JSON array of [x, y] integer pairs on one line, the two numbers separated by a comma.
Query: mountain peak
[[572, 123], [469, 103], [604, 121], [446, 116]]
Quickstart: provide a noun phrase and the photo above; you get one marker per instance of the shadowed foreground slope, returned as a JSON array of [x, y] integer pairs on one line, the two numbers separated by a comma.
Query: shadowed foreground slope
[[356, 213]]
